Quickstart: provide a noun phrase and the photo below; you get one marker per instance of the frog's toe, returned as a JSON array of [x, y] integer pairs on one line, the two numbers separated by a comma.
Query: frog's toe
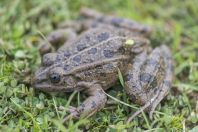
[[74, 114], [152, 109], [147, 107]]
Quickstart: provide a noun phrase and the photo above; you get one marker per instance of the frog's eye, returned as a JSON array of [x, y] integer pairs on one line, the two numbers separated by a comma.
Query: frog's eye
[[55, 78]]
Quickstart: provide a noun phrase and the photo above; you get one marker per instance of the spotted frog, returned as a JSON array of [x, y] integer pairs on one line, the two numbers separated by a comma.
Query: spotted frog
[[95, 49]]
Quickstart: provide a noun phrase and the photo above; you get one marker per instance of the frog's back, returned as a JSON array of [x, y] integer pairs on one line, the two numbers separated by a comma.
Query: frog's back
[[97, 61], [95, 55], [89, 38]]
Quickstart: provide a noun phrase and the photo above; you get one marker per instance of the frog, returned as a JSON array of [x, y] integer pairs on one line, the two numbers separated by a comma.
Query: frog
[[92, 51]]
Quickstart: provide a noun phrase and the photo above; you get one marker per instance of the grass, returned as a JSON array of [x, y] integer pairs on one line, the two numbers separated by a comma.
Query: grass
[[24, 109]]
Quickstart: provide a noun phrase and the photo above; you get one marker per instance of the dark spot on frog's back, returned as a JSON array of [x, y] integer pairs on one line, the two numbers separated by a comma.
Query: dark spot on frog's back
[[87, 38], [103, 36], [77, 58], [81, 46], [116, 21], [67, 54], [59, 57], [145, 77], [108, 53], [92, 51]]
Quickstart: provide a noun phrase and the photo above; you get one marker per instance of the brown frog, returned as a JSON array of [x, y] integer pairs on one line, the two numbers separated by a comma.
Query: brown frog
[[95, 48]]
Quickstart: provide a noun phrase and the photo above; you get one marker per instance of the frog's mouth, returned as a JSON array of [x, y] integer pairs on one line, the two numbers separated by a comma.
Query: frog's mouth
[[51, 88]]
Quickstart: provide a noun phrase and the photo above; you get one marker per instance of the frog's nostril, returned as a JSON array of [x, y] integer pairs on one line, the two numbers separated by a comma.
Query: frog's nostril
[[36, 82], [38, 77]]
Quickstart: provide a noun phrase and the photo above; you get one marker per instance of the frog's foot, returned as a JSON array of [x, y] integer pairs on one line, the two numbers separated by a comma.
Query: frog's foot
[[149, 79], [74, 114], [147, 105], [55, 39], [96, 101]]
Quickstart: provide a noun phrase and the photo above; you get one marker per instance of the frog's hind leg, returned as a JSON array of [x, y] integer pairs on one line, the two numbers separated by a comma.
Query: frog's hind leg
[[167, 81], [119, 22], [149, 78]]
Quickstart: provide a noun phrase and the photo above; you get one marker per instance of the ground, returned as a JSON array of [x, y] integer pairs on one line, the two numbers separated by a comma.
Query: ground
[[23, 109]]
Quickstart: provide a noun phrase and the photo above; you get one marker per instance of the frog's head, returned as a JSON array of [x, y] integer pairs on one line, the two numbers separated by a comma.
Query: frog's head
[[52, 77]]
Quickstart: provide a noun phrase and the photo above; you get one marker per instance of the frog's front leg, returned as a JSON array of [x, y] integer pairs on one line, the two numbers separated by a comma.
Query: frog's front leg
[[91, 105], [56, 38], [149, 78]]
